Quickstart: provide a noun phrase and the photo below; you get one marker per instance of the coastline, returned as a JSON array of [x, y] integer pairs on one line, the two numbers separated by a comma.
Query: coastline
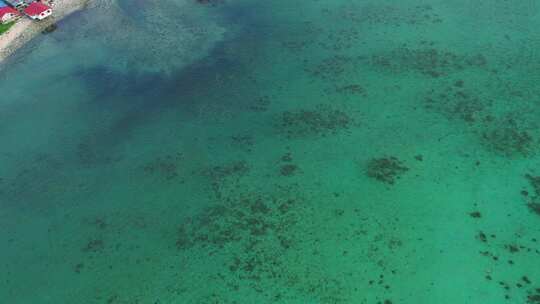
[[25, 29]]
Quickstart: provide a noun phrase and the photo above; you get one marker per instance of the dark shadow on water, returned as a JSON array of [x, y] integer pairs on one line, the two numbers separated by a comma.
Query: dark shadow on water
[[137, 98]]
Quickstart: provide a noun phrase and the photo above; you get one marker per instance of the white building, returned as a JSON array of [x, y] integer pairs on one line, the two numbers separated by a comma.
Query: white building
[[8, 14], [38, 11]]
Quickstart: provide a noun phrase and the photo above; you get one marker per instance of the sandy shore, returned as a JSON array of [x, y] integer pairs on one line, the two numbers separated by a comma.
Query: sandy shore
[[25, 28]]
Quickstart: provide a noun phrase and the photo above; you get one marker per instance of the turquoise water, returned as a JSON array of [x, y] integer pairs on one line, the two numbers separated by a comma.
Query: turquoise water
[[274, 152]]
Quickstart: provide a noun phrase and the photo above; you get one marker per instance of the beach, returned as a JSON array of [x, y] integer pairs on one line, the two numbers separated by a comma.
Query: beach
[[25, 29]]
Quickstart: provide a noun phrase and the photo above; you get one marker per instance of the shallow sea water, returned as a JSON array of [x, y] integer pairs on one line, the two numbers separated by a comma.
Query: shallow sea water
[[267, 152]]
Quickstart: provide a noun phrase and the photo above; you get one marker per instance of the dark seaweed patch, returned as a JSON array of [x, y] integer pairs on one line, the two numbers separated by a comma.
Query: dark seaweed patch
[[533, 201], [512, 248], [78, 267], [22, 188], [94, 245], [534, 207], [332, 68], [534, 181], [241, 219], [475, 214], [260, 104], [351, 89], [223, 171], [211, 2], [508, 134], [533, 298], [386, 169], [482, 237], [244, 142], [455, 102], [430, 62], [342, 39], [509, 139], [321, 121], [219, 175], [166, 167], [287, 157], [262, 242], [257, 230], [376, 14], [288, 170], [516, 248]]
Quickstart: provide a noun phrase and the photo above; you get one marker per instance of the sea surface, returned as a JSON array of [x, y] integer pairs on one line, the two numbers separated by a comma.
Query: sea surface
[[302, 152]]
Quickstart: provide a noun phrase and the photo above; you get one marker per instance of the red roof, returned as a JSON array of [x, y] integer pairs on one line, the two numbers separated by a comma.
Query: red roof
[[7, 10], [36, 8]]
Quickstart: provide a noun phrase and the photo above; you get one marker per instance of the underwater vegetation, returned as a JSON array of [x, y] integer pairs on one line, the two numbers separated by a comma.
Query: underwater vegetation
[[265, 244], [534, 207], [287, 167], [321, 121], [238, 219], [429, 62], [508, 250], [288, 170], [243, 142], [379, 14], [455, 102], [508, 133], [534, 201], [258, 230], [94, 245], [279, 112], [34, 181], [508, 138], [261, 104], [211, 2], [221, 176], [332, 68], [505, 257], [386, 169], [166, 167]]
